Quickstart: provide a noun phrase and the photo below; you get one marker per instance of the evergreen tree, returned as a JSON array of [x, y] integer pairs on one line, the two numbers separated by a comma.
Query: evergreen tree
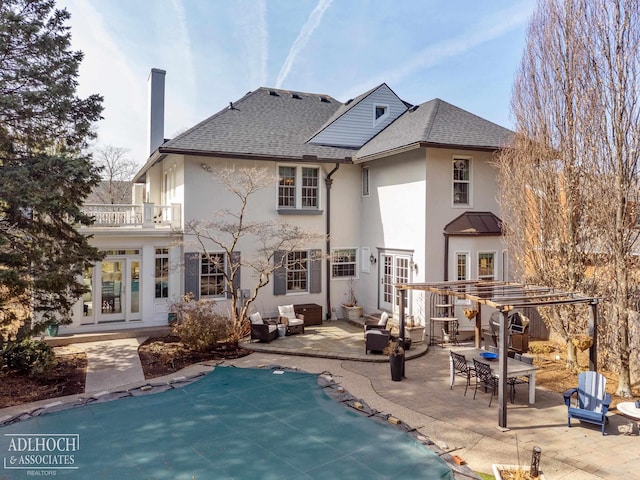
[[45, 173]]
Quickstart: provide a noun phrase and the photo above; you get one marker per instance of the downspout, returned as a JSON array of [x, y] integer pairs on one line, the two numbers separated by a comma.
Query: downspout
[[446, 257], [328, 181]]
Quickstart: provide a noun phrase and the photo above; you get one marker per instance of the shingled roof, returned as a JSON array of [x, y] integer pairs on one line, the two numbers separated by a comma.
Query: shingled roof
[[439, 124], [266, 123]]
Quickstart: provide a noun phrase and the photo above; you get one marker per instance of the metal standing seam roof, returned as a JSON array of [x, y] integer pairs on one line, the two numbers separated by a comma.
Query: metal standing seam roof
[[475, 223]]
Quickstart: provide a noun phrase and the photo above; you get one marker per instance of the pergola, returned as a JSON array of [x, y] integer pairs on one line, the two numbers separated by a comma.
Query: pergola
[[505, 296]]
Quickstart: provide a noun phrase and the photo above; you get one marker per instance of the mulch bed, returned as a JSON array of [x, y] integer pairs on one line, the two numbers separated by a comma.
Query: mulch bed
[[67, 377], [166, 355]]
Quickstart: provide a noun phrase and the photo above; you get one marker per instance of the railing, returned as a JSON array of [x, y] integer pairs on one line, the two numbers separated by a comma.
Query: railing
[[146, 215]]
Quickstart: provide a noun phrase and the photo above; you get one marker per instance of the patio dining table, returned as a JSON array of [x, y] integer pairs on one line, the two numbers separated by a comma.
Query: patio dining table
[[515, 368]]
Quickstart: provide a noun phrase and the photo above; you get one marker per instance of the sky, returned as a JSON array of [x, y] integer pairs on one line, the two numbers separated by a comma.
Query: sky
[[465, 52]]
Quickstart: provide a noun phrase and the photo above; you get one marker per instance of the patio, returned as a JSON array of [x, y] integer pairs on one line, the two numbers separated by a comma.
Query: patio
[[468, 427], [337, 339]]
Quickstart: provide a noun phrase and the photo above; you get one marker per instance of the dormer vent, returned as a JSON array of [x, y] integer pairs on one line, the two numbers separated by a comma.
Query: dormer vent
[[273, 93], [414, 108], [349, 101], [324, 99], [231, 106], [295, 95]]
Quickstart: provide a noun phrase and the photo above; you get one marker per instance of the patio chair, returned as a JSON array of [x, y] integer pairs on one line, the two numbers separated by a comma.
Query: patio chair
[[592, 402], [513, 381], [263, 331], [486, 378], [376, 337], [462, 369], [294, 322]]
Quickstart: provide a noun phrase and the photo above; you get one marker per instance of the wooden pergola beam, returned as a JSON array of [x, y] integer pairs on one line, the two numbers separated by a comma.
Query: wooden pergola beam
[[494, 294]]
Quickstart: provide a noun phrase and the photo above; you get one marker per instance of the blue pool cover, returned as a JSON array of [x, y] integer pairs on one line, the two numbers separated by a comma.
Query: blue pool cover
[[234, 423]]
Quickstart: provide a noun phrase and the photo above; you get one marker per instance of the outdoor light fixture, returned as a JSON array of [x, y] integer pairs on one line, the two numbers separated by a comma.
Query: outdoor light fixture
[[413, 265], [372, 259], [206, 167]]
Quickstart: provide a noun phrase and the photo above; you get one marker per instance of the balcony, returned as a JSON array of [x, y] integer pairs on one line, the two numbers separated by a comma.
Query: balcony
[[146, 215]]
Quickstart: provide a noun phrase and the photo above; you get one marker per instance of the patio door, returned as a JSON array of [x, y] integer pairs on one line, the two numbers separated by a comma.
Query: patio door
[[394, 269], [118, 292]]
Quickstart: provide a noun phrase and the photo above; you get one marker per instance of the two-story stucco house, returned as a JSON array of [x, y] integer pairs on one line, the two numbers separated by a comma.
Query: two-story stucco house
[[405, 193]]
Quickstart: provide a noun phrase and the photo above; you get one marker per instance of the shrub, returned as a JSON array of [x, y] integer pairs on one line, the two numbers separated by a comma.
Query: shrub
[[28, 356], [197, 324], [539, 347]]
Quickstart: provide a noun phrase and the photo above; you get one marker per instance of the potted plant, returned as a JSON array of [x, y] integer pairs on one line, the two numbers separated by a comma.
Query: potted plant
[[350, 309], [396, 360], [514, 472]]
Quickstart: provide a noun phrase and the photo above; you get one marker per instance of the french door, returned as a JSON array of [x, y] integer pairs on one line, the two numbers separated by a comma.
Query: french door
[[115, 291], [394, 269]]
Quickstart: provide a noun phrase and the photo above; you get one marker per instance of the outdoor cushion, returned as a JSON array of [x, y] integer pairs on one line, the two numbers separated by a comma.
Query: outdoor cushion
[[295, 321], [256, 318], [287, 311], [272, 327], [384, 318]]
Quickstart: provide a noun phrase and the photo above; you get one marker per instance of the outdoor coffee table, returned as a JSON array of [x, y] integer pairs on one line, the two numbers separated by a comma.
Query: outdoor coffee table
[[631, 412]]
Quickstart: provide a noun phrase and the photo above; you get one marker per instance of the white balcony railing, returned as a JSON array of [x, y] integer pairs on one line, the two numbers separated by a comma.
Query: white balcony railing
[[145, 215]]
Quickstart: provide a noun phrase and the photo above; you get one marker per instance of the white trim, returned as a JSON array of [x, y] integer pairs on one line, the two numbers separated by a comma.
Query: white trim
[[495, 263], [356, 262], [298, 187], [384, 116], [469, 182], [367, 170], [467, 273]]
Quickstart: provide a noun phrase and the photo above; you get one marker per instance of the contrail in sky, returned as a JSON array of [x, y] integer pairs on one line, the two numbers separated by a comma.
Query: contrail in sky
[[303, 38]]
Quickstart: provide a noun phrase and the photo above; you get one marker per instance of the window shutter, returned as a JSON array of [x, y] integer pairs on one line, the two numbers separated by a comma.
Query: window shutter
[[315, 274], [192, 274], [279, 275], [235, 259]]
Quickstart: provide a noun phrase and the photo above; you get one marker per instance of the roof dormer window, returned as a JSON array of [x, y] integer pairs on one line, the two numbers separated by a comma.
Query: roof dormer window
[[380, 112]]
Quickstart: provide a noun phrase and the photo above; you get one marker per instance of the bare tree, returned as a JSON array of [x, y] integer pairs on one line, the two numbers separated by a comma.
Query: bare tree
[[117, 174], [566, 182], [271, 241]]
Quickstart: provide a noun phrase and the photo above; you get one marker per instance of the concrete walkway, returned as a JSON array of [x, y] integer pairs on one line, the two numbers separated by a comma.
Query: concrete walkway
[[456, 422], [112, 364]]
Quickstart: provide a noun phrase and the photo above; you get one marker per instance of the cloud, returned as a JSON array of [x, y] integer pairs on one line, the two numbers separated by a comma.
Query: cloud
[[107, 70], [303, 38], [252, 21], [489, 28]]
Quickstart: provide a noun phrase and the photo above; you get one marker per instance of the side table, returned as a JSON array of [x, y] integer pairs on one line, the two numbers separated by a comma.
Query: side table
[[630, 411]]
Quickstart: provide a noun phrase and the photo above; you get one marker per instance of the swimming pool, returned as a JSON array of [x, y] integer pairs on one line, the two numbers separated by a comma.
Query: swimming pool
[[234, 423]]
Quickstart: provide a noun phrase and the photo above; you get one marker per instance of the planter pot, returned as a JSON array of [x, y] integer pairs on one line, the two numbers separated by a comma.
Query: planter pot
[[499, 469], [351, 313], [396, 362], [416, 334]]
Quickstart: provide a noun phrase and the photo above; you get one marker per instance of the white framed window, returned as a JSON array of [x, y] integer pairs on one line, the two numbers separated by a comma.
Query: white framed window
[[365, 181], [344, 263], [461, 174], [487, 266], [462, 266], [298, 187], [463, 272], [212, 282], [162, 273], [380, 113], [298, 271]]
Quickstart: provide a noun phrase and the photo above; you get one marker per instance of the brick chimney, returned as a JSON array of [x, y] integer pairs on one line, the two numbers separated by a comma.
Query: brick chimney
[[156, 109]]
